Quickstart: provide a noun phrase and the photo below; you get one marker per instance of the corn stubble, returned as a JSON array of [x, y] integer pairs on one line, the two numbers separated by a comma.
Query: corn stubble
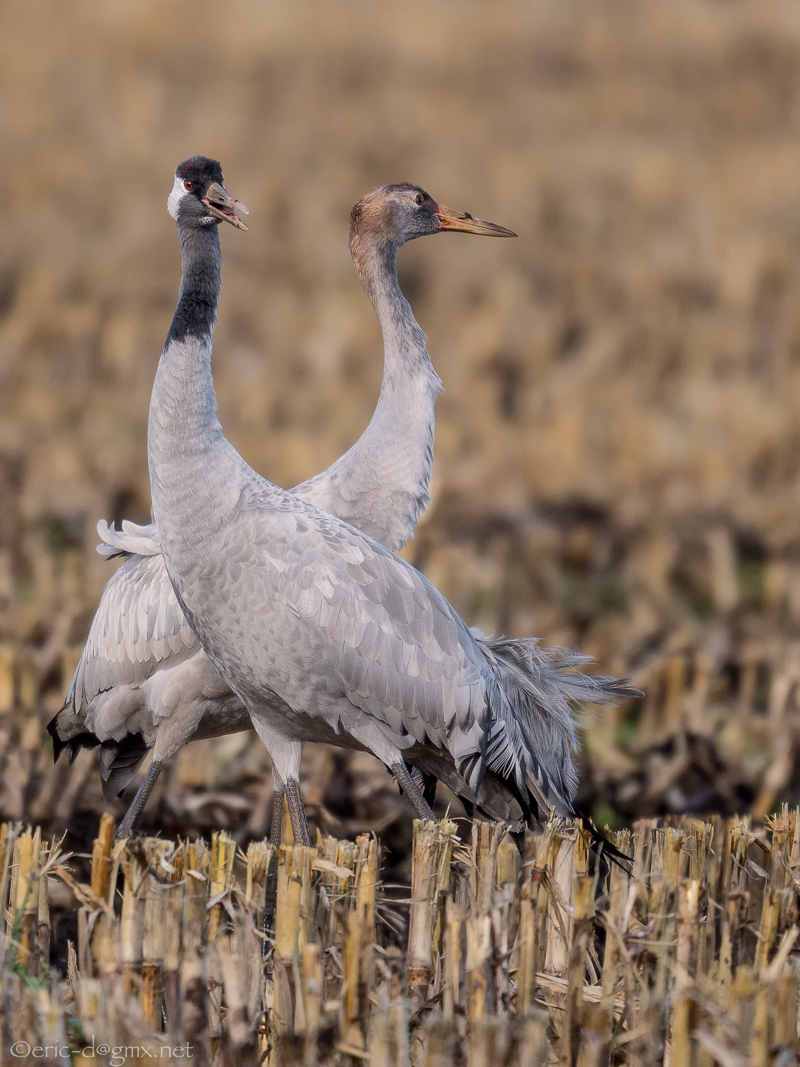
[[688, 958]]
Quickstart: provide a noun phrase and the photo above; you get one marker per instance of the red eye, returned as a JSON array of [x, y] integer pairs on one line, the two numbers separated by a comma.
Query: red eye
[[188, 186]]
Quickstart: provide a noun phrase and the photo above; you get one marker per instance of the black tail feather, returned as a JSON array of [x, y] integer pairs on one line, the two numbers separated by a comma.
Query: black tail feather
[[119, 762], [604, 849], [71, 744]]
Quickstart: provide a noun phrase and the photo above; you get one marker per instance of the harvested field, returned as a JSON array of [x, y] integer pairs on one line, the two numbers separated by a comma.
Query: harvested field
[[490, 958], [617, 469]]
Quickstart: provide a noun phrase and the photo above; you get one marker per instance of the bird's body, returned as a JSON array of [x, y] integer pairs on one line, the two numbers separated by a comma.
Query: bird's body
[[144, 680], [291, 601]]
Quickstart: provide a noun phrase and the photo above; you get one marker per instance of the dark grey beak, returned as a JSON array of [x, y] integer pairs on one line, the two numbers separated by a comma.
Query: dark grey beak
[[224, 206]]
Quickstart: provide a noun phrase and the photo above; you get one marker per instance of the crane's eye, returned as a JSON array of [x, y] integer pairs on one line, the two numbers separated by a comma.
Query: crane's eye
[[188, 186], [419, 198]]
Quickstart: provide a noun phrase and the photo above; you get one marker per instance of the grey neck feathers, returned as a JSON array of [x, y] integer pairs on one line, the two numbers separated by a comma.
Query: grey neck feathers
[[188, 456], [403, 340], [392, 459]]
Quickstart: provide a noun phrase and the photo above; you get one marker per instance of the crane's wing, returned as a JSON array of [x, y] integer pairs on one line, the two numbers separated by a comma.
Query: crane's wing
[[313, 597], [407, 659], [138, 625]]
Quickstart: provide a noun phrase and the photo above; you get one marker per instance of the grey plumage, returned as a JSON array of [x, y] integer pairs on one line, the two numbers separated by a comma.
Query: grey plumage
[[143, 680], [361, 649]]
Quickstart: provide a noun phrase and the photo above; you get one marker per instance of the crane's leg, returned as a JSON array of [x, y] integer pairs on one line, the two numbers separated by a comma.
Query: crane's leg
[[271, 899], [412, 790], [133, 814], [297, 813], [278, 792], [286, 756]]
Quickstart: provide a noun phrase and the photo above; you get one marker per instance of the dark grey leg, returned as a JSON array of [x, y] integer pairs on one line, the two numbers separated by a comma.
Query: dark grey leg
[[297, 813], [276, 830], [277, 813], [128, 824], [429, 788], [413, 792]]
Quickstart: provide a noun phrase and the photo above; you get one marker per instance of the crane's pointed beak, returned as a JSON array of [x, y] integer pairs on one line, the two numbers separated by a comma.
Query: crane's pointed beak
[[464, 223], [224, 206]]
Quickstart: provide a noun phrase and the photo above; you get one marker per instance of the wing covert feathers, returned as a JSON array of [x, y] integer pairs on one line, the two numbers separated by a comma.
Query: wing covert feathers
[[137, 626]]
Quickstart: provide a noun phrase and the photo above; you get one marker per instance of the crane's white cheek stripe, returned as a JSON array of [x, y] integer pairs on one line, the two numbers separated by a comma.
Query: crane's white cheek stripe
[[174, 197]]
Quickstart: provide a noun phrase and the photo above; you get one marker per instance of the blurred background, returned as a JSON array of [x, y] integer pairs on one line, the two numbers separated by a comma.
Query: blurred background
[[618, 447]]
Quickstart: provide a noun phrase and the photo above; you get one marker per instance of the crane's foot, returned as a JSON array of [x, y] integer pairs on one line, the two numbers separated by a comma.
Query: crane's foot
[[128, 825], [413, 792]]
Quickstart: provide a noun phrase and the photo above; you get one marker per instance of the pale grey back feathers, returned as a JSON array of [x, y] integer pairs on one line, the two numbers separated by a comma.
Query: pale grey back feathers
[[139, 624]]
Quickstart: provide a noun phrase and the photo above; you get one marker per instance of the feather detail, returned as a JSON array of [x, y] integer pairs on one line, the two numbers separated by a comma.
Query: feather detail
[[132, 540], [532, 732]]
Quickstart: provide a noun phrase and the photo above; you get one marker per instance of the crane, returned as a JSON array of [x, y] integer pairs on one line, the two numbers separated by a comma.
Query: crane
[[291, 602], [143, 680]]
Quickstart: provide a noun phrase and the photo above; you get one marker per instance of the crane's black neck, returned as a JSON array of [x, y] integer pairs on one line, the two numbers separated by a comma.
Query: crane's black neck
[[201, 263]]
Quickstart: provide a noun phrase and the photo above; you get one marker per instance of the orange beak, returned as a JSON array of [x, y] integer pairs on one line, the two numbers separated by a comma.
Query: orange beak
[[465, 223]]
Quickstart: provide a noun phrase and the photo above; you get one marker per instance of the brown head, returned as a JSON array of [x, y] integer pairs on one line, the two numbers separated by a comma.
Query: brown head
[[394, 214]]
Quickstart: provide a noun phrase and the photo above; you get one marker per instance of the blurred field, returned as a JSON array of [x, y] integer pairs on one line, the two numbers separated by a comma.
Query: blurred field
[[617, 460]]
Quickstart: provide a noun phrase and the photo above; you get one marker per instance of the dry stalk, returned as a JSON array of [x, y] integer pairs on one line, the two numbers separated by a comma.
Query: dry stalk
[[102, 949], [154, 937], [175, 892], [24, 899], [194, 970], [480, 1001], [359, 942], [430, 879], [583, 916], [486, 838], [258, 859], [683, 1009]]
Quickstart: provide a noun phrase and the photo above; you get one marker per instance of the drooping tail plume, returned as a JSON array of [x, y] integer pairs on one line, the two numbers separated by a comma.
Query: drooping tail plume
[[532, 736]]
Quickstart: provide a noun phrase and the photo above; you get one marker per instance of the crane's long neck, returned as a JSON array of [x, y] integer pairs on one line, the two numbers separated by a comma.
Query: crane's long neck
[[393, 458], [404, 342], [191, 463]]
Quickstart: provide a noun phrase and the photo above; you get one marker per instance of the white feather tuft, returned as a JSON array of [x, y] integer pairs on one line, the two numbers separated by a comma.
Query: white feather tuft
[[132, 540]]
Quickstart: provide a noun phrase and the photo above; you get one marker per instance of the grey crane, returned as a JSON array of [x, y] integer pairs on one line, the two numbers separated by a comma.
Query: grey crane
[[143, 680], [322, 632]]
